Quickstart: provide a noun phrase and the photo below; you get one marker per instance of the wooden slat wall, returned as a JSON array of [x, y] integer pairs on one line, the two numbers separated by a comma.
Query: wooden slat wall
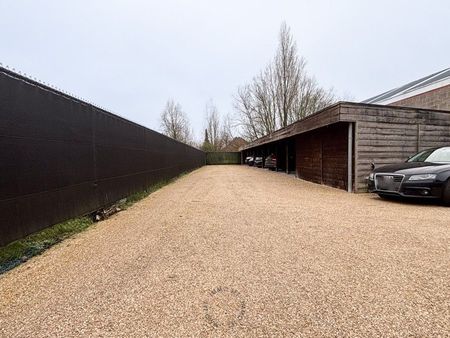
[[383, 135], [309, 156], [321, 155], [334, 155], [433, 136], [386, 135]]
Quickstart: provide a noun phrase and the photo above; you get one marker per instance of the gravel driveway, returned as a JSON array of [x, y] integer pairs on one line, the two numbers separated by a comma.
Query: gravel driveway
[[233, 250]]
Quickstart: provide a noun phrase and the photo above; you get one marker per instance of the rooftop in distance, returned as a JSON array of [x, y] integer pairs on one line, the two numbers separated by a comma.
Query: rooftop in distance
[[425, 84]]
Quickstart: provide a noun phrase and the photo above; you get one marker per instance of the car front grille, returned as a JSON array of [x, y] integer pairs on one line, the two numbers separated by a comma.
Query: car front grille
[[388, 182]]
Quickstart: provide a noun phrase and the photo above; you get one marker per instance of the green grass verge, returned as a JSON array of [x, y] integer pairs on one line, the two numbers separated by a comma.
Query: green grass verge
[[21, 250]]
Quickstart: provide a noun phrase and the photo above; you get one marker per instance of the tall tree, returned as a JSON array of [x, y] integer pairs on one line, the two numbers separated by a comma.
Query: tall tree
[[226, 132], [206, 146], [218, 131], [288, 73], [213, 126], [174, 122], [280, 94], [244, 104]]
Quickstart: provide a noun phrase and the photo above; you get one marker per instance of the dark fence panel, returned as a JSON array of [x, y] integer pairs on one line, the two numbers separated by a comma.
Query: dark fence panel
[[61, 158], [223, 158]]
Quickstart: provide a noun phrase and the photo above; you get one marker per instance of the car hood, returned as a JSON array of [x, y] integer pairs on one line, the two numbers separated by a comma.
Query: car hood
[[412, 168]]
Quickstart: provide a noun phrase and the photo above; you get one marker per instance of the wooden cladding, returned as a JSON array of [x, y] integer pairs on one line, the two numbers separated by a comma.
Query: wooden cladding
[[382, 135], [321, 155], [387, 135]]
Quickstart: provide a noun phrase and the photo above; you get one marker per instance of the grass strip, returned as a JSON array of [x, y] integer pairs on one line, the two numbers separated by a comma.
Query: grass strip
[[20, 251]]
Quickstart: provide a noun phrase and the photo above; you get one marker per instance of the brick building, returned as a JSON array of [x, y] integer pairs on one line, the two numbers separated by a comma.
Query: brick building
[[432, 92]]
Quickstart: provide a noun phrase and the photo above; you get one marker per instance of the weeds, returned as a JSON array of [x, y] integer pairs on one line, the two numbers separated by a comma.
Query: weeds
[[22, 250]]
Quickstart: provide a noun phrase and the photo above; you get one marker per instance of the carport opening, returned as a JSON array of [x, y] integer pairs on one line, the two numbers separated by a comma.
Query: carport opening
[[323, 155]]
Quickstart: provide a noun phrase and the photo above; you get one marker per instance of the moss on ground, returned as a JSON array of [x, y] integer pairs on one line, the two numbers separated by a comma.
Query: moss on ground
[[22, 250]]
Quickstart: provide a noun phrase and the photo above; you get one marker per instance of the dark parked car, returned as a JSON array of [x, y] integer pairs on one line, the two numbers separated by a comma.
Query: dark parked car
[[250, 160], [259, 162], [271, 162], [426, 175]]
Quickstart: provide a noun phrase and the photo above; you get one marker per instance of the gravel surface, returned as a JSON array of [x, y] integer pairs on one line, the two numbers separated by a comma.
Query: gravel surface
[[239, 251]]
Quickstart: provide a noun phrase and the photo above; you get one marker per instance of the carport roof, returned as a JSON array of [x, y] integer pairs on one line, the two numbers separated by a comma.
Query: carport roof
[[325, 117], [319, 119]]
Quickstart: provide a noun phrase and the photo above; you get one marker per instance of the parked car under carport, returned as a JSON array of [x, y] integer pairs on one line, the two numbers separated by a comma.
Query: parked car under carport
[[250, 160], [259, 162], [271, 162]]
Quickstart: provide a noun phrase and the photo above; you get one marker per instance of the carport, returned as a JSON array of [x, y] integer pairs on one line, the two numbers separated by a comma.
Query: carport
[[283, 149], [337, 145]]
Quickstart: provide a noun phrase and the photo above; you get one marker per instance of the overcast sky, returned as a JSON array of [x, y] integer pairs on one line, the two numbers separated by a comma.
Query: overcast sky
[[131, 56]]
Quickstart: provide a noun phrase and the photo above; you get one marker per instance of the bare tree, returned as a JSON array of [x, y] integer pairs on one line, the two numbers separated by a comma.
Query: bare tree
[[289, 69], [218, 131], [256, 106], [281, 94], [213, 126], [244, 105], [311, 98], [264, 94], [175, 124], [226, 131]]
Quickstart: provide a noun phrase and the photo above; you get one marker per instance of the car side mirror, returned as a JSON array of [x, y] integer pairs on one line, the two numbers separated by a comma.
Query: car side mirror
[[372, 165]]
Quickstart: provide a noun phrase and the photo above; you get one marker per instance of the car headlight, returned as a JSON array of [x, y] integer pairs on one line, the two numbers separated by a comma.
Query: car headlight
[[422, 177], [371, 176]]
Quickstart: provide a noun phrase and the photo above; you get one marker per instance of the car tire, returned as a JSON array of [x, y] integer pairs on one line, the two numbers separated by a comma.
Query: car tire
[[446, 193]]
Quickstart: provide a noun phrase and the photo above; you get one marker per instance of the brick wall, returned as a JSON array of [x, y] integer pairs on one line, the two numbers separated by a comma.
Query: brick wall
[[435, 99]]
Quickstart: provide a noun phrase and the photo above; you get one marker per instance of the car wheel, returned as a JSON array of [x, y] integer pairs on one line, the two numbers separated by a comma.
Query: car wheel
[[446, 193]]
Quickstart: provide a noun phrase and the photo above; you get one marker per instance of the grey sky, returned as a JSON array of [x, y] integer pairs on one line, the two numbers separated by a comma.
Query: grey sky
[[131, 56]]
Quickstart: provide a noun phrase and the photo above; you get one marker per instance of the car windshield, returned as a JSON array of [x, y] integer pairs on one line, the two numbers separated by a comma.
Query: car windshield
[[440, 155]]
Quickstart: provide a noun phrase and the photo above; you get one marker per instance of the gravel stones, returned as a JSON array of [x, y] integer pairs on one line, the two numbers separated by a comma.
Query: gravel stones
[[240, 251]]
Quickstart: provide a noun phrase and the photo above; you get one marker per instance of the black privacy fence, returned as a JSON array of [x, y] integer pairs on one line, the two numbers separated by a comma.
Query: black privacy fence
[[61, 157]]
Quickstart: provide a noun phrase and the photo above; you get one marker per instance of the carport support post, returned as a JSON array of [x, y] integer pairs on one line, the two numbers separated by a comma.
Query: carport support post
[[287, 157], [350, 157]]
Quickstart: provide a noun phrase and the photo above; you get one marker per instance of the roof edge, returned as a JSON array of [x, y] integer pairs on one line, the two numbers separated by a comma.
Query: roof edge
[[338, 104]]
